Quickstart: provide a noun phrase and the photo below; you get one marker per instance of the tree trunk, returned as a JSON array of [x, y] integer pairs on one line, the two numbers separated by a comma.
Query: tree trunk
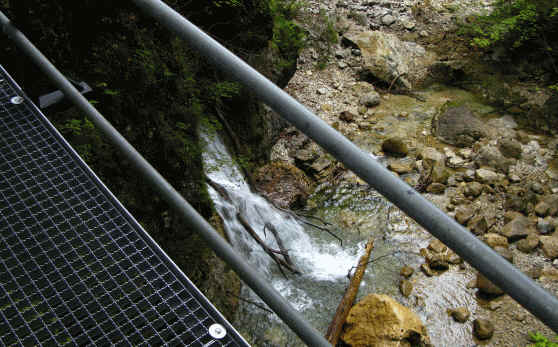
[[336, 325]]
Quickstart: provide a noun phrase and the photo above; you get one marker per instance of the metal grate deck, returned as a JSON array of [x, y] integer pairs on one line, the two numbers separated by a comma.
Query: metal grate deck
[[75, 267]]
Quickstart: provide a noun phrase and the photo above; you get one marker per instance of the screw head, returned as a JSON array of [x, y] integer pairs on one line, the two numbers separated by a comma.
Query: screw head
[[217, 331], [16, 100]]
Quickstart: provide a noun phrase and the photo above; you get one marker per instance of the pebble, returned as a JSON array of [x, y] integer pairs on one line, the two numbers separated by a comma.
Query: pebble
[[356, 52], [388, 19], [322, 91], [423, 33], [342, 65]]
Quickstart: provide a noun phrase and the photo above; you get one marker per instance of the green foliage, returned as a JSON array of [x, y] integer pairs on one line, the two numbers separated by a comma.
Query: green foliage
[[542, 341], [78, 126], [515, 24], [288, 37]]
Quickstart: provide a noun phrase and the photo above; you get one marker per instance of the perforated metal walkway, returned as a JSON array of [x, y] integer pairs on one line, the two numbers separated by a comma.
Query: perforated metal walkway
[[75, 267]]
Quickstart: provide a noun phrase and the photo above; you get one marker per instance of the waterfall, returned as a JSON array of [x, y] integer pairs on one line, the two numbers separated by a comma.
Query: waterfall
[[323, 262]]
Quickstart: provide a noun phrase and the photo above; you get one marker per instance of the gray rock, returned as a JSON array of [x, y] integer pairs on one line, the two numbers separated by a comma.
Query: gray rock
[[487, 176], [537, 188], [546, 225], [549, 246], [390, 59], [458, 126], [542, 209], [342, 65], [388, 19], [430, 156], [395, 146], [322, 91], [491, 156], [339, 54], [518, 228], [510, 148], [321, 164], [356, 52], [370, 99]]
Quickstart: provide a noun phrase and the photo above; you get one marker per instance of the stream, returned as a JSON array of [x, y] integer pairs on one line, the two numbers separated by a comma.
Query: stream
[[323, 262]]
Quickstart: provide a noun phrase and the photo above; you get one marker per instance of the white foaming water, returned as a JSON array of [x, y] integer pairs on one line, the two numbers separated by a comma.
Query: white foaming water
[[318, 259]]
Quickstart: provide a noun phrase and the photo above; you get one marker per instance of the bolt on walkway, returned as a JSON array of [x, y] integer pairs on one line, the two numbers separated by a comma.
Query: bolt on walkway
[[75, 267]]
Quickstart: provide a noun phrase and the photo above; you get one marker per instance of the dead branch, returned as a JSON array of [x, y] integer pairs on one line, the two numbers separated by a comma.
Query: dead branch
[[336, 325], [280, 262], [219, 188], [284, 252], [249, 301]]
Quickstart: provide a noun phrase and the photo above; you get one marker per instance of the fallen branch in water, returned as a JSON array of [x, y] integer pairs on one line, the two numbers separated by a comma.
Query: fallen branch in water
[[249, 301], [336, 325], [219, 188], [280, 262], [284, 252]]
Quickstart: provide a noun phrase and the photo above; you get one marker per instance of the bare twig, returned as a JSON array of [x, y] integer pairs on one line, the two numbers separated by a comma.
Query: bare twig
[[249, 301], [284, 251]]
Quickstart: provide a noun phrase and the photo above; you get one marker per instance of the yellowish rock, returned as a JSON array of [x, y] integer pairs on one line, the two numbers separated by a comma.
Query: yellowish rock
[[379, 320]]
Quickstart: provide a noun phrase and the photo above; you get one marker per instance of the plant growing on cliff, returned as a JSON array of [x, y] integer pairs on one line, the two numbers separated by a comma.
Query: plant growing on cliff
[[288, 37], [519, 26], [542, 341]]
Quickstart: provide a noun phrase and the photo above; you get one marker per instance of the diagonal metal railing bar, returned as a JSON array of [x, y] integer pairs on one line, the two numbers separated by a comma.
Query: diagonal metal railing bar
[[250, 276], [520, 287]]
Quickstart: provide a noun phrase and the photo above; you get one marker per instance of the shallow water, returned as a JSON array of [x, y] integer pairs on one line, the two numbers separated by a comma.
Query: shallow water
[[357, 213]]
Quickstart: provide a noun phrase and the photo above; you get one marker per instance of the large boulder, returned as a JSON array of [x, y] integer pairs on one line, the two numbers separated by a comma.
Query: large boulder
[[284, 184], [379, 320], [405, 64], [458, 126]]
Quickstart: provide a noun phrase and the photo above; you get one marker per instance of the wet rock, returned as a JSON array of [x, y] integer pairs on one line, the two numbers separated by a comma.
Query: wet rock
[[440, 173], [495, 240], [427, 270], [546, 225], [487, 176], [320, 165], [370, 99], [473, 189], [486, 287], [399, 167], [436, 188], [406, 271], [542, 209], [437, 246], [395, 146], [483, 329], [388, 20], [405, 287], [517, 229], [490, 156], [520, 199], [347, 116], [528, 244], [458, 126], [478, 225], [537, 188], [365, 325], [549, 246], [390, 59], [431, 157], [463, 214], [284, 184], [460, 314], [510, 148]]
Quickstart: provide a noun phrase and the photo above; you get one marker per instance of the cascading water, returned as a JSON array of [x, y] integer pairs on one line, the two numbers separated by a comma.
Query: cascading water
[[323, 262]]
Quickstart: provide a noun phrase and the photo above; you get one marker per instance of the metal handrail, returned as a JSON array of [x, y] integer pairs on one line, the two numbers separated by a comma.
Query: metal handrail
[[520, 287], [512, 281]]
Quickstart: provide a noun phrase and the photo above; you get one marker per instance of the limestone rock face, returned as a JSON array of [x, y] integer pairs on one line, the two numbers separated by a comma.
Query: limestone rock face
[[458, 126], [391, 59], [379, 320]]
